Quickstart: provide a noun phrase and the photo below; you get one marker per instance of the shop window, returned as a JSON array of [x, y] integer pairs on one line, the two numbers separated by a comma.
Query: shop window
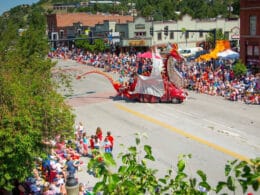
[[256, 50], [171, 35], [187, 35], [159, 36], [122, 34], [78, 31], [249, 50], [140, 34], [61, 34], [226, 35], [252, 25]]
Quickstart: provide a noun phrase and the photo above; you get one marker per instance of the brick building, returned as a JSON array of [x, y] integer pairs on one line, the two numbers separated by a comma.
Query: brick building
[[250, 33], [62, 27]]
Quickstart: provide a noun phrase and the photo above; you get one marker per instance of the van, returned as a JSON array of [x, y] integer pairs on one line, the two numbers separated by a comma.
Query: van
[[190, 51]]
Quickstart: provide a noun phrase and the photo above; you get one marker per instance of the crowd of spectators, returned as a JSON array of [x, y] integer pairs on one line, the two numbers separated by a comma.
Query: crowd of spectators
[[65, 160], [221, 81], [205, 78]]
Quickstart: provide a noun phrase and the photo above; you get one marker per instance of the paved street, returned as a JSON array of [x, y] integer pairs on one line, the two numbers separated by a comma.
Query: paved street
[[210, 128]]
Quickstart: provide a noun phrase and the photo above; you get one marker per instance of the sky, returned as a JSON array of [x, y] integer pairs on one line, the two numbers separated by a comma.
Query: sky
[[6, 5]]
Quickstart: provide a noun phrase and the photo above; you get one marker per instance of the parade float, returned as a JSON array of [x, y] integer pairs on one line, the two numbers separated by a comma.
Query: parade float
[[163, 84]]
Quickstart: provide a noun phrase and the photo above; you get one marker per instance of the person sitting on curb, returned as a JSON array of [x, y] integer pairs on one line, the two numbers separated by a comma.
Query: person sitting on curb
[[71, 166]]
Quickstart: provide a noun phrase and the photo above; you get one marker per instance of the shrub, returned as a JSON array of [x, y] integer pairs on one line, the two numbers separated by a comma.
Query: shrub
[[239, 69]]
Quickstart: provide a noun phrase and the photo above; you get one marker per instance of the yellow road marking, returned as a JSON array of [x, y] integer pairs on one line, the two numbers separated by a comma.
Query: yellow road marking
[[183, 133]]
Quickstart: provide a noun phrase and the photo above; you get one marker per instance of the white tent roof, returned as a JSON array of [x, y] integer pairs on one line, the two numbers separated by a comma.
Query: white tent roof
[[228, 54]]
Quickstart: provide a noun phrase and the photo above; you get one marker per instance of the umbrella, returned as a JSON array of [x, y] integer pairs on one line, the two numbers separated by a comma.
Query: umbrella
[[228, 54], [147, 54]]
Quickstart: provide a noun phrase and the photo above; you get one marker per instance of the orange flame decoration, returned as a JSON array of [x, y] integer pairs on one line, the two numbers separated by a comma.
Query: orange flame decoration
[[221, 45], [115, 84]]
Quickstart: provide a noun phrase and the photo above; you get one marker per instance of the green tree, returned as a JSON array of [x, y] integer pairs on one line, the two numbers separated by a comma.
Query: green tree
[[239, 69], [31, 110], [197, 9], [100, 45], [84, 43], [210, 37]]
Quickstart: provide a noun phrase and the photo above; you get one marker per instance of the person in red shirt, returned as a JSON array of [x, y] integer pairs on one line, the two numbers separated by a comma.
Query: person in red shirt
[[92, 142], [110, 139], [99, 134]]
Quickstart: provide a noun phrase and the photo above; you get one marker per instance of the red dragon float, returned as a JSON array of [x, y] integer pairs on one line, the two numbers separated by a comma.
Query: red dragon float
[[163, 84]]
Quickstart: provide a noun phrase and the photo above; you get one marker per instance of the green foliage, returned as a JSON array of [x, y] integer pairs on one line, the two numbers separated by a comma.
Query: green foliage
[[135, 177], [210, 37], [99, 45], [166, 9], [30, 108], [84, 43], [239, 69], [243, 174]]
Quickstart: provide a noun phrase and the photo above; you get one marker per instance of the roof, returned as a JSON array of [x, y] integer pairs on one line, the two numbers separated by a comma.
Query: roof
[[86, 19]]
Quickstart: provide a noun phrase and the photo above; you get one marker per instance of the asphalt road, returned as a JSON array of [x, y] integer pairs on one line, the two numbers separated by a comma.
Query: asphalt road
[[210, 128]]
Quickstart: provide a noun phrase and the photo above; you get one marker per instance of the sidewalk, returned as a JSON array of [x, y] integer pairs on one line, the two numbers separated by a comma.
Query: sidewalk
[[83, 176]]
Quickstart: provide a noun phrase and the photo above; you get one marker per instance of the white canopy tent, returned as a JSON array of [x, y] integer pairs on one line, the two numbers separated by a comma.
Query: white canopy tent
[[228, 54]]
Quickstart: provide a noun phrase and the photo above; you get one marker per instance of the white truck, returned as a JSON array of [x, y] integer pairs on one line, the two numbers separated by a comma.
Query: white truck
[[188, 52]]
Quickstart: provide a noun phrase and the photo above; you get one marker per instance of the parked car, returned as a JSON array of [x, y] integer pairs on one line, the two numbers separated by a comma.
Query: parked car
[[188, 52], [196, 55]]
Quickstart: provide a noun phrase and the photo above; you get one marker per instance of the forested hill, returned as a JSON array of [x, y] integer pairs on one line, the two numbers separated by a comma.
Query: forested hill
[[157, 9], [161, 9]]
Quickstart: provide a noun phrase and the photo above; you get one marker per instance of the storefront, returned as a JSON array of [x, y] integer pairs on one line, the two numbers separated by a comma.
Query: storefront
[[135, 45]]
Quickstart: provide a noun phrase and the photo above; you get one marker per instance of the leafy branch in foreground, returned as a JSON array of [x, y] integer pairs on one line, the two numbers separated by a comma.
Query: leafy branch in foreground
[[135, 177], [241, 173]]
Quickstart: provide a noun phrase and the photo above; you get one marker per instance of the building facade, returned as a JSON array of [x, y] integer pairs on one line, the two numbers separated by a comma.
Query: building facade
[[63, 28], [250, 33], [138, 33]]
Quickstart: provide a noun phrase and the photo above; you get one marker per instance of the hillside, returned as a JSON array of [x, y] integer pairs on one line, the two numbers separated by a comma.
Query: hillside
[[158, 9], [152, 9]]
